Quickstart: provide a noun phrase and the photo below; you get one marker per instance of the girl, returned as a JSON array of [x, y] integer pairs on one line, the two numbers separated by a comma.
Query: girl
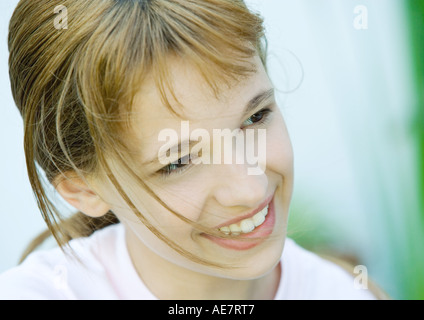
[[141, 113]]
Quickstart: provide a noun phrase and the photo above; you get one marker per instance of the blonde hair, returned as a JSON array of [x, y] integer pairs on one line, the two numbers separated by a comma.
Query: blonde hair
[[74, 86]]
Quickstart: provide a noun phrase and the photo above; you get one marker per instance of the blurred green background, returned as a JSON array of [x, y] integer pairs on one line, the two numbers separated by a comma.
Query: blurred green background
[[392, 176], [415, 285]]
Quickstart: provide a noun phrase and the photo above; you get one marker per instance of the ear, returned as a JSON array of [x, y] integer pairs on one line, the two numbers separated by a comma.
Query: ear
[[79, 195]]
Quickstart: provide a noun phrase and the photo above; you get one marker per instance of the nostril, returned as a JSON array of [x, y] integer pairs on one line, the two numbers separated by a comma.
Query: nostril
[[235, 188]]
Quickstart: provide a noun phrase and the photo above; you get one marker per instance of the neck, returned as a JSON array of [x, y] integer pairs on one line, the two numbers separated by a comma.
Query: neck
[[169, 281]]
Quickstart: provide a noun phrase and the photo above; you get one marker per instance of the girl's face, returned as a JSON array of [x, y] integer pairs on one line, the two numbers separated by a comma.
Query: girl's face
[[217, 195]]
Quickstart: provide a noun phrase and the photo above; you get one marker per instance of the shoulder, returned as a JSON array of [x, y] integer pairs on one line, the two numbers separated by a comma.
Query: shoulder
[[311, 277], [38, 277], [71, 273]]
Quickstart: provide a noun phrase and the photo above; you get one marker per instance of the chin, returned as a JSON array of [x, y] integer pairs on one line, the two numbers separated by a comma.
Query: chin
[[255, 265]]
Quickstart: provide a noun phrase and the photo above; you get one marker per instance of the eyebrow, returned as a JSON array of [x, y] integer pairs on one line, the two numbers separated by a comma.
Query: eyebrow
[[251, 105], [258, 100]]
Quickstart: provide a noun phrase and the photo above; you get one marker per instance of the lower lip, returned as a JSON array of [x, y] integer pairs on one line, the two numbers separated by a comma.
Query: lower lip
[[261, 233]]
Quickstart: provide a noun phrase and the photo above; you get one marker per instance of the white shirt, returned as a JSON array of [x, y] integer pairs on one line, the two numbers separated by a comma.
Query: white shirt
[[105, 272]]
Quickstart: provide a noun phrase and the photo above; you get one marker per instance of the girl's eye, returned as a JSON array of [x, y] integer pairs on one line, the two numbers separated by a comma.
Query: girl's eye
[[186, 162], [177, 167], [258, 118]]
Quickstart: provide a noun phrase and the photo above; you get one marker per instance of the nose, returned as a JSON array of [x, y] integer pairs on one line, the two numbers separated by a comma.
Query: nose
[[235, 187]]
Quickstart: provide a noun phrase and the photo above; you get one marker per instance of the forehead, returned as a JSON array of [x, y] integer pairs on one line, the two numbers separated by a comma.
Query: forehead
[[191, 99]]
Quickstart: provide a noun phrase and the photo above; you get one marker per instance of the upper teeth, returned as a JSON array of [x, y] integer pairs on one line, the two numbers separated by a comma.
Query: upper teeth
[[246, 225]]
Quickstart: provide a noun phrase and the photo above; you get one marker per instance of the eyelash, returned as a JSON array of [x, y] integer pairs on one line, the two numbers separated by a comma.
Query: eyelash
[[168, 171], [265, 113]]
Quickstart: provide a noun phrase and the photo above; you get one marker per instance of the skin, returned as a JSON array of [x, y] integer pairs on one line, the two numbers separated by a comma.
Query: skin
[[208, 194]]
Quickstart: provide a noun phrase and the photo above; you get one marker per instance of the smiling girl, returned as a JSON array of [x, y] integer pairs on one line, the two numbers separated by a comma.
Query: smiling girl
[[94, 100]]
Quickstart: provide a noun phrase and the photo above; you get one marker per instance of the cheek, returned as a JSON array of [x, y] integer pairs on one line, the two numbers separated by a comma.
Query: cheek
[[178, 198], [186, 197], [165, 222]]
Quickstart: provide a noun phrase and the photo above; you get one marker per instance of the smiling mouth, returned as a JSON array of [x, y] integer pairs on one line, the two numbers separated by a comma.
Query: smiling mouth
[[255, 227], [246, 225]]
